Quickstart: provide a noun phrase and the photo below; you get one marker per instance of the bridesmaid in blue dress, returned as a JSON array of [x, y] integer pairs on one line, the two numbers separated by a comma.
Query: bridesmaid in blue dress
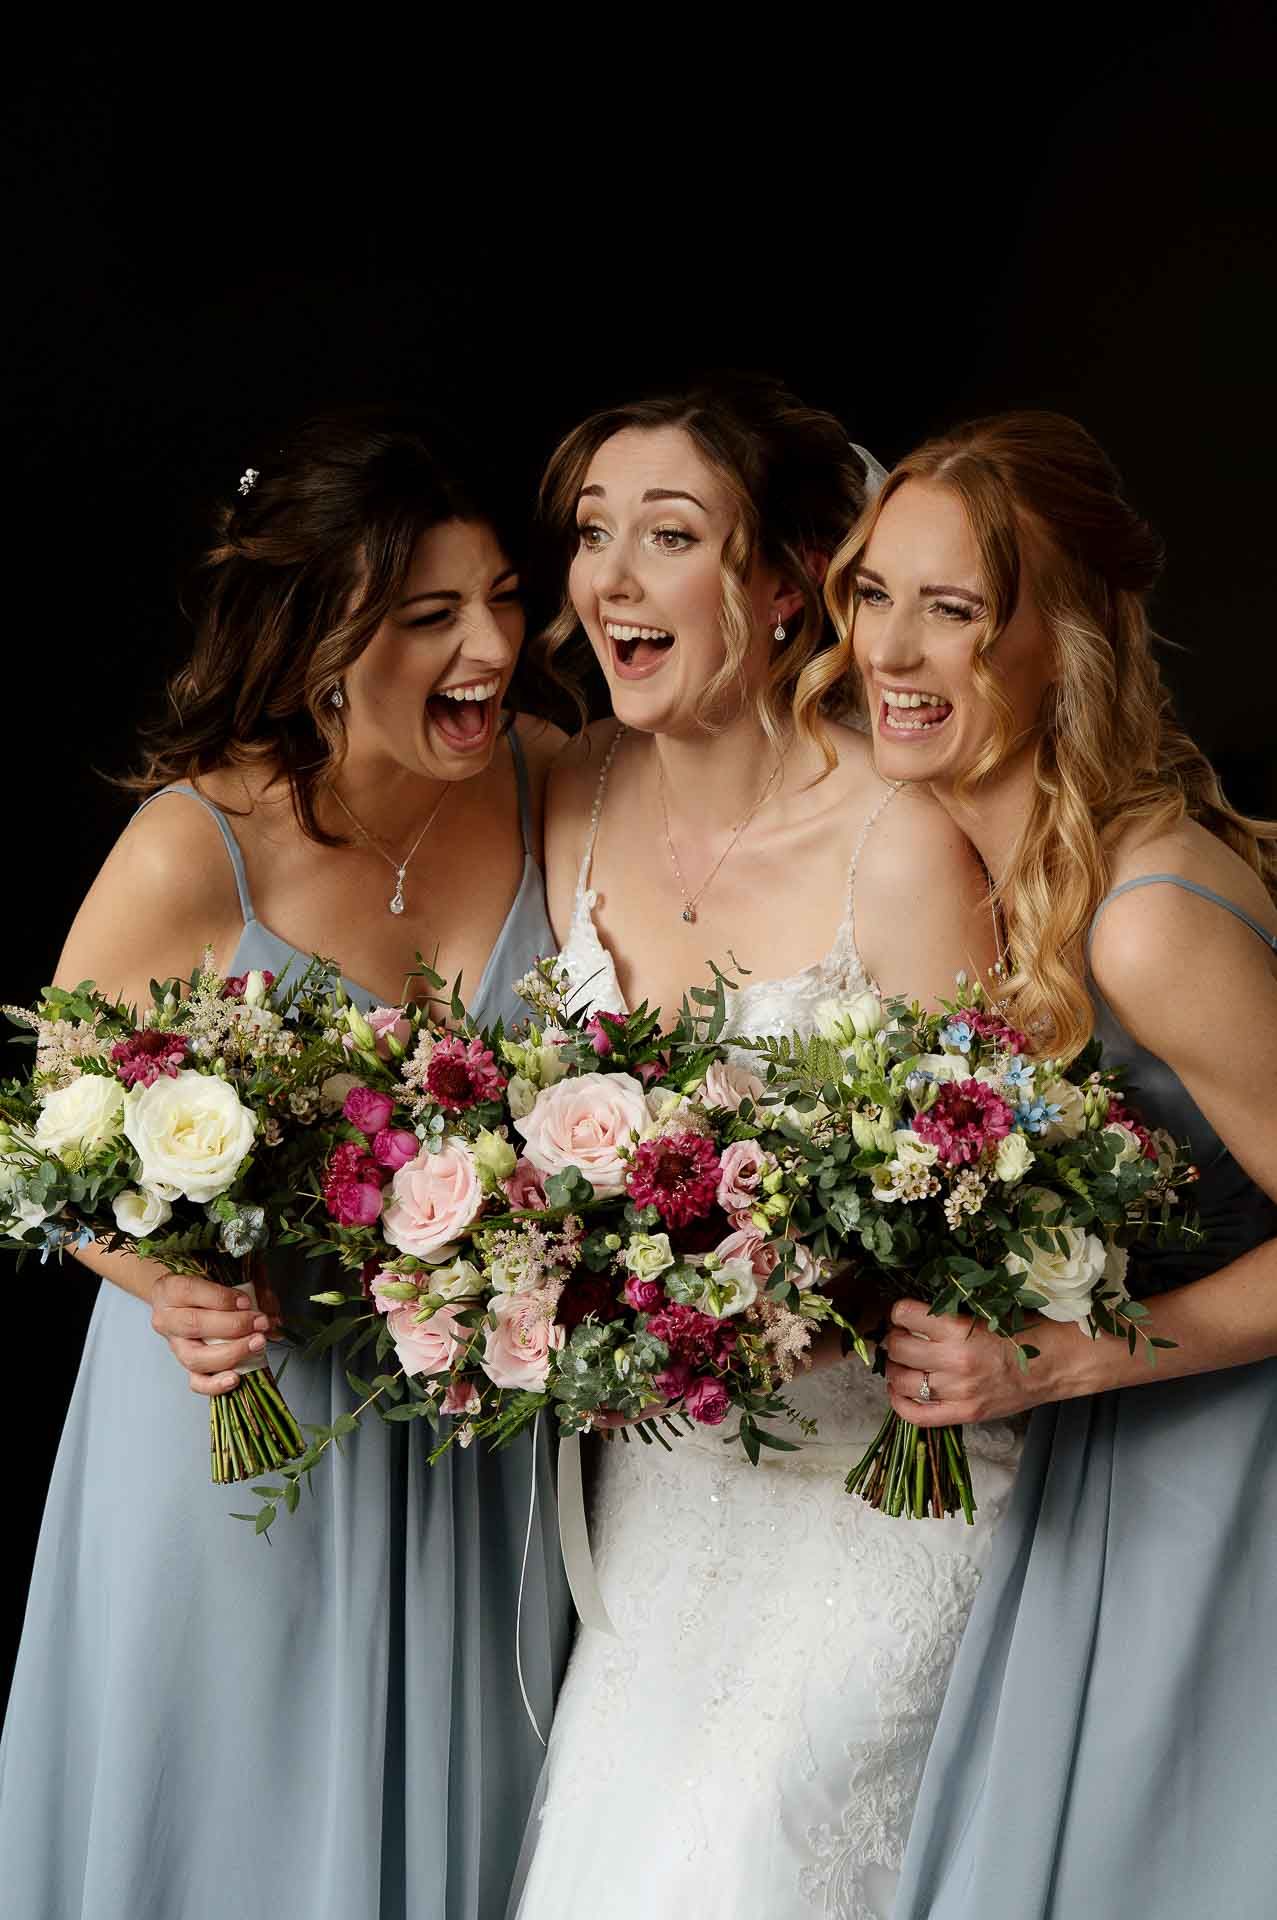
[[330, 1725], [1105, 1748]]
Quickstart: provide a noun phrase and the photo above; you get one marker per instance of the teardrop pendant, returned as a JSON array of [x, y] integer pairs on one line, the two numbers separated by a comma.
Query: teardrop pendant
[[396, 899], [689, 914]]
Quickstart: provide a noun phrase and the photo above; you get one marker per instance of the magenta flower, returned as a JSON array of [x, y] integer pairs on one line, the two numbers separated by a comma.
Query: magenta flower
[[1119, 1114], [645, 1296], [394, 1147], [234, 984], [966, 1117], [698, 1338], [523, 1188], [145, 1055], [367, 1110], [674, 1380], [707, 1400], [352, 1186], [677, 1174], [600, 1039], [990, 1027], [461, 1073]]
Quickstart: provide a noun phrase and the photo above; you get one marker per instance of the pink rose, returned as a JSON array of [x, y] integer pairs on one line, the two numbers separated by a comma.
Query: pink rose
[[726, 1086], [747, 1243], [427, 1346], [674, 1380], [523, 1188], [517, 1348], [433, 1200], [389, 1020], [368, 1111], [584, 1122], [707, 1401], [645, 1296], [600, 1039], [739, 1174], [394, 1147], [462, 1397]]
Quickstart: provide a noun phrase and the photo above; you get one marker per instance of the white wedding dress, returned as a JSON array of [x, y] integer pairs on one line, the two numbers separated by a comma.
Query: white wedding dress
[[750, 1746]]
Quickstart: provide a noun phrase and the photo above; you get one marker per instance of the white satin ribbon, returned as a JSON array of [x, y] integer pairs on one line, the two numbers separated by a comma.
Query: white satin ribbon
[[523, 1575], [574, 1541]]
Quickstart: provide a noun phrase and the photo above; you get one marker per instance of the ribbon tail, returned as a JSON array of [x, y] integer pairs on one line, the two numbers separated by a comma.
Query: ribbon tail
[[574, 1540], [523, 1577]]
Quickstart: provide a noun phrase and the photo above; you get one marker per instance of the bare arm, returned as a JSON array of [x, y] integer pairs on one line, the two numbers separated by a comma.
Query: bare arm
[[1197, 988], [165, 891]]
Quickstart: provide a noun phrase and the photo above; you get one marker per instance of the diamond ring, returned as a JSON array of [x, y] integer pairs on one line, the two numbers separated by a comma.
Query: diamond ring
[[924, 1391]]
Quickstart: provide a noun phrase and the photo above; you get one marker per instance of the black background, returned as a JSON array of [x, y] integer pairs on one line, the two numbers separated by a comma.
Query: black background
[[202, 250]]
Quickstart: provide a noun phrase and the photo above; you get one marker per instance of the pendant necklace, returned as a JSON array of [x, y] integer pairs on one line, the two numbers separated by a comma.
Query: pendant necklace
[[691, 901], [398, 867]]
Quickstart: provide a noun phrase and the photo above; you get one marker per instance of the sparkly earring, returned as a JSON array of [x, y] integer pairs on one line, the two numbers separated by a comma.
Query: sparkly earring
[[336, 698], [779, 635]]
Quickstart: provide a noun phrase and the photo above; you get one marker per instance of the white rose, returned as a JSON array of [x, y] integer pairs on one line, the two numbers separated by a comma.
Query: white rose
[[1072, 1104], [912, 1150], [332, 1094], [1128, 1147], [1014, 1158], [726, 1086], [190, 1131], [943, 1066], [82, 1118], [851, 1016], [521, 1094], [1068, 1280], [254, 988], [140, 1211]]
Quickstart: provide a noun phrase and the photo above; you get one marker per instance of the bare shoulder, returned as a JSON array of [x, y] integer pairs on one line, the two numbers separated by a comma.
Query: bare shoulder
[[1153, 940], [165, 890], [570, 792], [574, 777], [542, 744], [914, 839]]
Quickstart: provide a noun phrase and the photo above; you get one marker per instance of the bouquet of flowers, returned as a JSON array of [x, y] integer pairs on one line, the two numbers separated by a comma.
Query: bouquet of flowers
[[181, 1135], [957, 1169], [594, 1215]]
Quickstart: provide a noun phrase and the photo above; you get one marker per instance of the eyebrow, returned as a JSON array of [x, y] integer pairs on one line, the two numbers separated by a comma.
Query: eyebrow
[[653, 493], [960, 593], [441, 593]]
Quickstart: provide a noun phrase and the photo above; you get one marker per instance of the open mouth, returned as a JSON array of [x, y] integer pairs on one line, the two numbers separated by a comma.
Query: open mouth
[[638, 651], [910, 713], [466, 715]]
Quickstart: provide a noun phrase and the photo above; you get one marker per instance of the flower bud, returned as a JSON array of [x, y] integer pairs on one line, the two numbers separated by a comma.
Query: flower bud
[[361, 1032], [777, 1207], [329, 1299], [612, 1241], [398, 1289], [773, 1182], [495, 1158]]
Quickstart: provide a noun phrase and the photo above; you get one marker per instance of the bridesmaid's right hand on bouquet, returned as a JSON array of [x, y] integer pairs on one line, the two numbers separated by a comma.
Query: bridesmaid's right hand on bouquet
[[189, 1312]]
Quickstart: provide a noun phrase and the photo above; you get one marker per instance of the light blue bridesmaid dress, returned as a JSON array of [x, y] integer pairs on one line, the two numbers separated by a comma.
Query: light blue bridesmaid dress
[[1106, 1746], [204, 1726]]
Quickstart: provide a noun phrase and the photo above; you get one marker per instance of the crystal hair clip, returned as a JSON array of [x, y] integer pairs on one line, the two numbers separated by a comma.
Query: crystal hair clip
[[248, 479]]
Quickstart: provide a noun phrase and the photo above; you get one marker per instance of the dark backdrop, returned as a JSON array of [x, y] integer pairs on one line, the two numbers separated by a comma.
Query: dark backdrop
[[940, 232]]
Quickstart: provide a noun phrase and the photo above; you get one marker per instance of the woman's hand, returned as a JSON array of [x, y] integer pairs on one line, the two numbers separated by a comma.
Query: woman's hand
[[188, 1313], [973, 1374]]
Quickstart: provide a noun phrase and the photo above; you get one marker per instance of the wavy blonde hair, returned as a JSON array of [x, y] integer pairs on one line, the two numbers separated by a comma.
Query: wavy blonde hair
[[797, 485], [1045, 507]]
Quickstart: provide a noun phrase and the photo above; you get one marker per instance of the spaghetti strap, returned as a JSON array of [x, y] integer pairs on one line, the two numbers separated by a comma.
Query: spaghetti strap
[[521, 781], [224, 828], [1188, 886], [847, 931], [596, 813]]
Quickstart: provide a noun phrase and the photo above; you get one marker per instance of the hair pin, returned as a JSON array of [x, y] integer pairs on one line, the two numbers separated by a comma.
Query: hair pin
[[248, 479]]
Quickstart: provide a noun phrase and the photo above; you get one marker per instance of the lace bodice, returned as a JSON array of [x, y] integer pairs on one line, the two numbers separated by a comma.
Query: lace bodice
[[760, 1006]]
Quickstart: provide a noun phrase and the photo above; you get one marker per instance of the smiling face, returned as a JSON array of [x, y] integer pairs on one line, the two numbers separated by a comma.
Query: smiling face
[[646, 578], [426, 691], [920, 611]]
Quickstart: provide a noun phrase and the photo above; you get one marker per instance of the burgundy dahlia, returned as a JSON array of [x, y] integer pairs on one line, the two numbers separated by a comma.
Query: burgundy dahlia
[[461, 1073], [145, 1055], [677, 1174], [965, 1118]]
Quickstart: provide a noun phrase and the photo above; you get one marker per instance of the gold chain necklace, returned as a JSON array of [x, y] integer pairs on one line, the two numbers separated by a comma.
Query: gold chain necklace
[[690, 900], [399, 867]]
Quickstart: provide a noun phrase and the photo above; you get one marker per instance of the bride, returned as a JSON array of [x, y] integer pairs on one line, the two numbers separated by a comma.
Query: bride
[[752, 1740]]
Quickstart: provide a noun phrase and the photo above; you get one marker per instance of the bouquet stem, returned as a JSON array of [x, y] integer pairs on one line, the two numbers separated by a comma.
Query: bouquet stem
[[917, 1471], [251, 1430]]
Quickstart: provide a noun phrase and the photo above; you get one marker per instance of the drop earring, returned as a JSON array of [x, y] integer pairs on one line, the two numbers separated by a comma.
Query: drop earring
[[779, 635], [337, 698]]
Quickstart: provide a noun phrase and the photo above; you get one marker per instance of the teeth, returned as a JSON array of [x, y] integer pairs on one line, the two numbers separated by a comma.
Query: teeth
[[615, 632], [482, 692], [894, 699]]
